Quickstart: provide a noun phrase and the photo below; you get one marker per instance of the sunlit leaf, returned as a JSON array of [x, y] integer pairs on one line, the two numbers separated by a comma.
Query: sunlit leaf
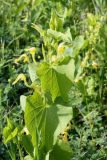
[[10, 131], [54, 82], [61, 151], [49, 119]]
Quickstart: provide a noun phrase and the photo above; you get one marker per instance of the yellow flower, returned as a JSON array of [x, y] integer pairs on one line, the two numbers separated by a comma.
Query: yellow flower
[[26, 58], [20, 77], [61, 48], [23, 57], [16, 60], [31, 50]]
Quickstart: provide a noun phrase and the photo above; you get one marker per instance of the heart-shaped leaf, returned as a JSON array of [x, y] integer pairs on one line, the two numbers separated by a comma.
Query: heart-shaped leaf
[[54, 82], [49, 119]]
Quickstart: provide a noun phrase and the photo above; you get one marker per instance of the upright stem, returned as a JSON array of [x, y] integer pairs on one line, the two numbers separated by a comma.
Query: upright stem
[[20, 152], [33, 57]]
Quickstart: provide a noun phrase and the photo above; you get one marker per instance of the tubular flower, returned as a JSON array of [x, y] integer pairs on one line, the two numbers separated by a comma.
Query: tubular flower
[[21, 77], [23, 57], [31, 50], [61, 48]]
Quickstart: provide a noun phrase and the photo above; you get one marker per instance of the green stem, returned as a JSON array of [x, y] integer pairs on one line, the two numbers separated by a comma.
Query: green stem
[[33, 57], [20, 152], [36, 154], [43, 52]]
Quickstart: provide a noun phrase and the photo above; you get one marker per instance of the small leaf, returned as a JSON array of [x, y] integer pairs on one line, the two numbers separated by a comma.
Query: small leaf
[[59, 35], [26, 141], [37, 2], [39, 29], [78, 44], [56, 23], [10, 131]]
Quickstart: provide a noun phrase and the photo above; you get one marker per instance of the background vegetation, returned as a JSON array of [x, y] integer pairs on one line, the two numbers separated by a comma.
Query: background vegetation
[[87, 134]]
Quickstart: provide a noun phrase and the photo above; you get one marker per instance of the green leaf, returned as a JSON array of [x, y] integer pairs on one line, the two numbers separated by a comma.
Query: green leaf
[[50, 120], [54, 82], [10, 131], [56, 23], [21, 7], [61, 151], [37, 2], [26, 141], [39, 29], [12, 150], [81, 86], [59, 35], [68, 69], [78, 44], [64, 61]]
